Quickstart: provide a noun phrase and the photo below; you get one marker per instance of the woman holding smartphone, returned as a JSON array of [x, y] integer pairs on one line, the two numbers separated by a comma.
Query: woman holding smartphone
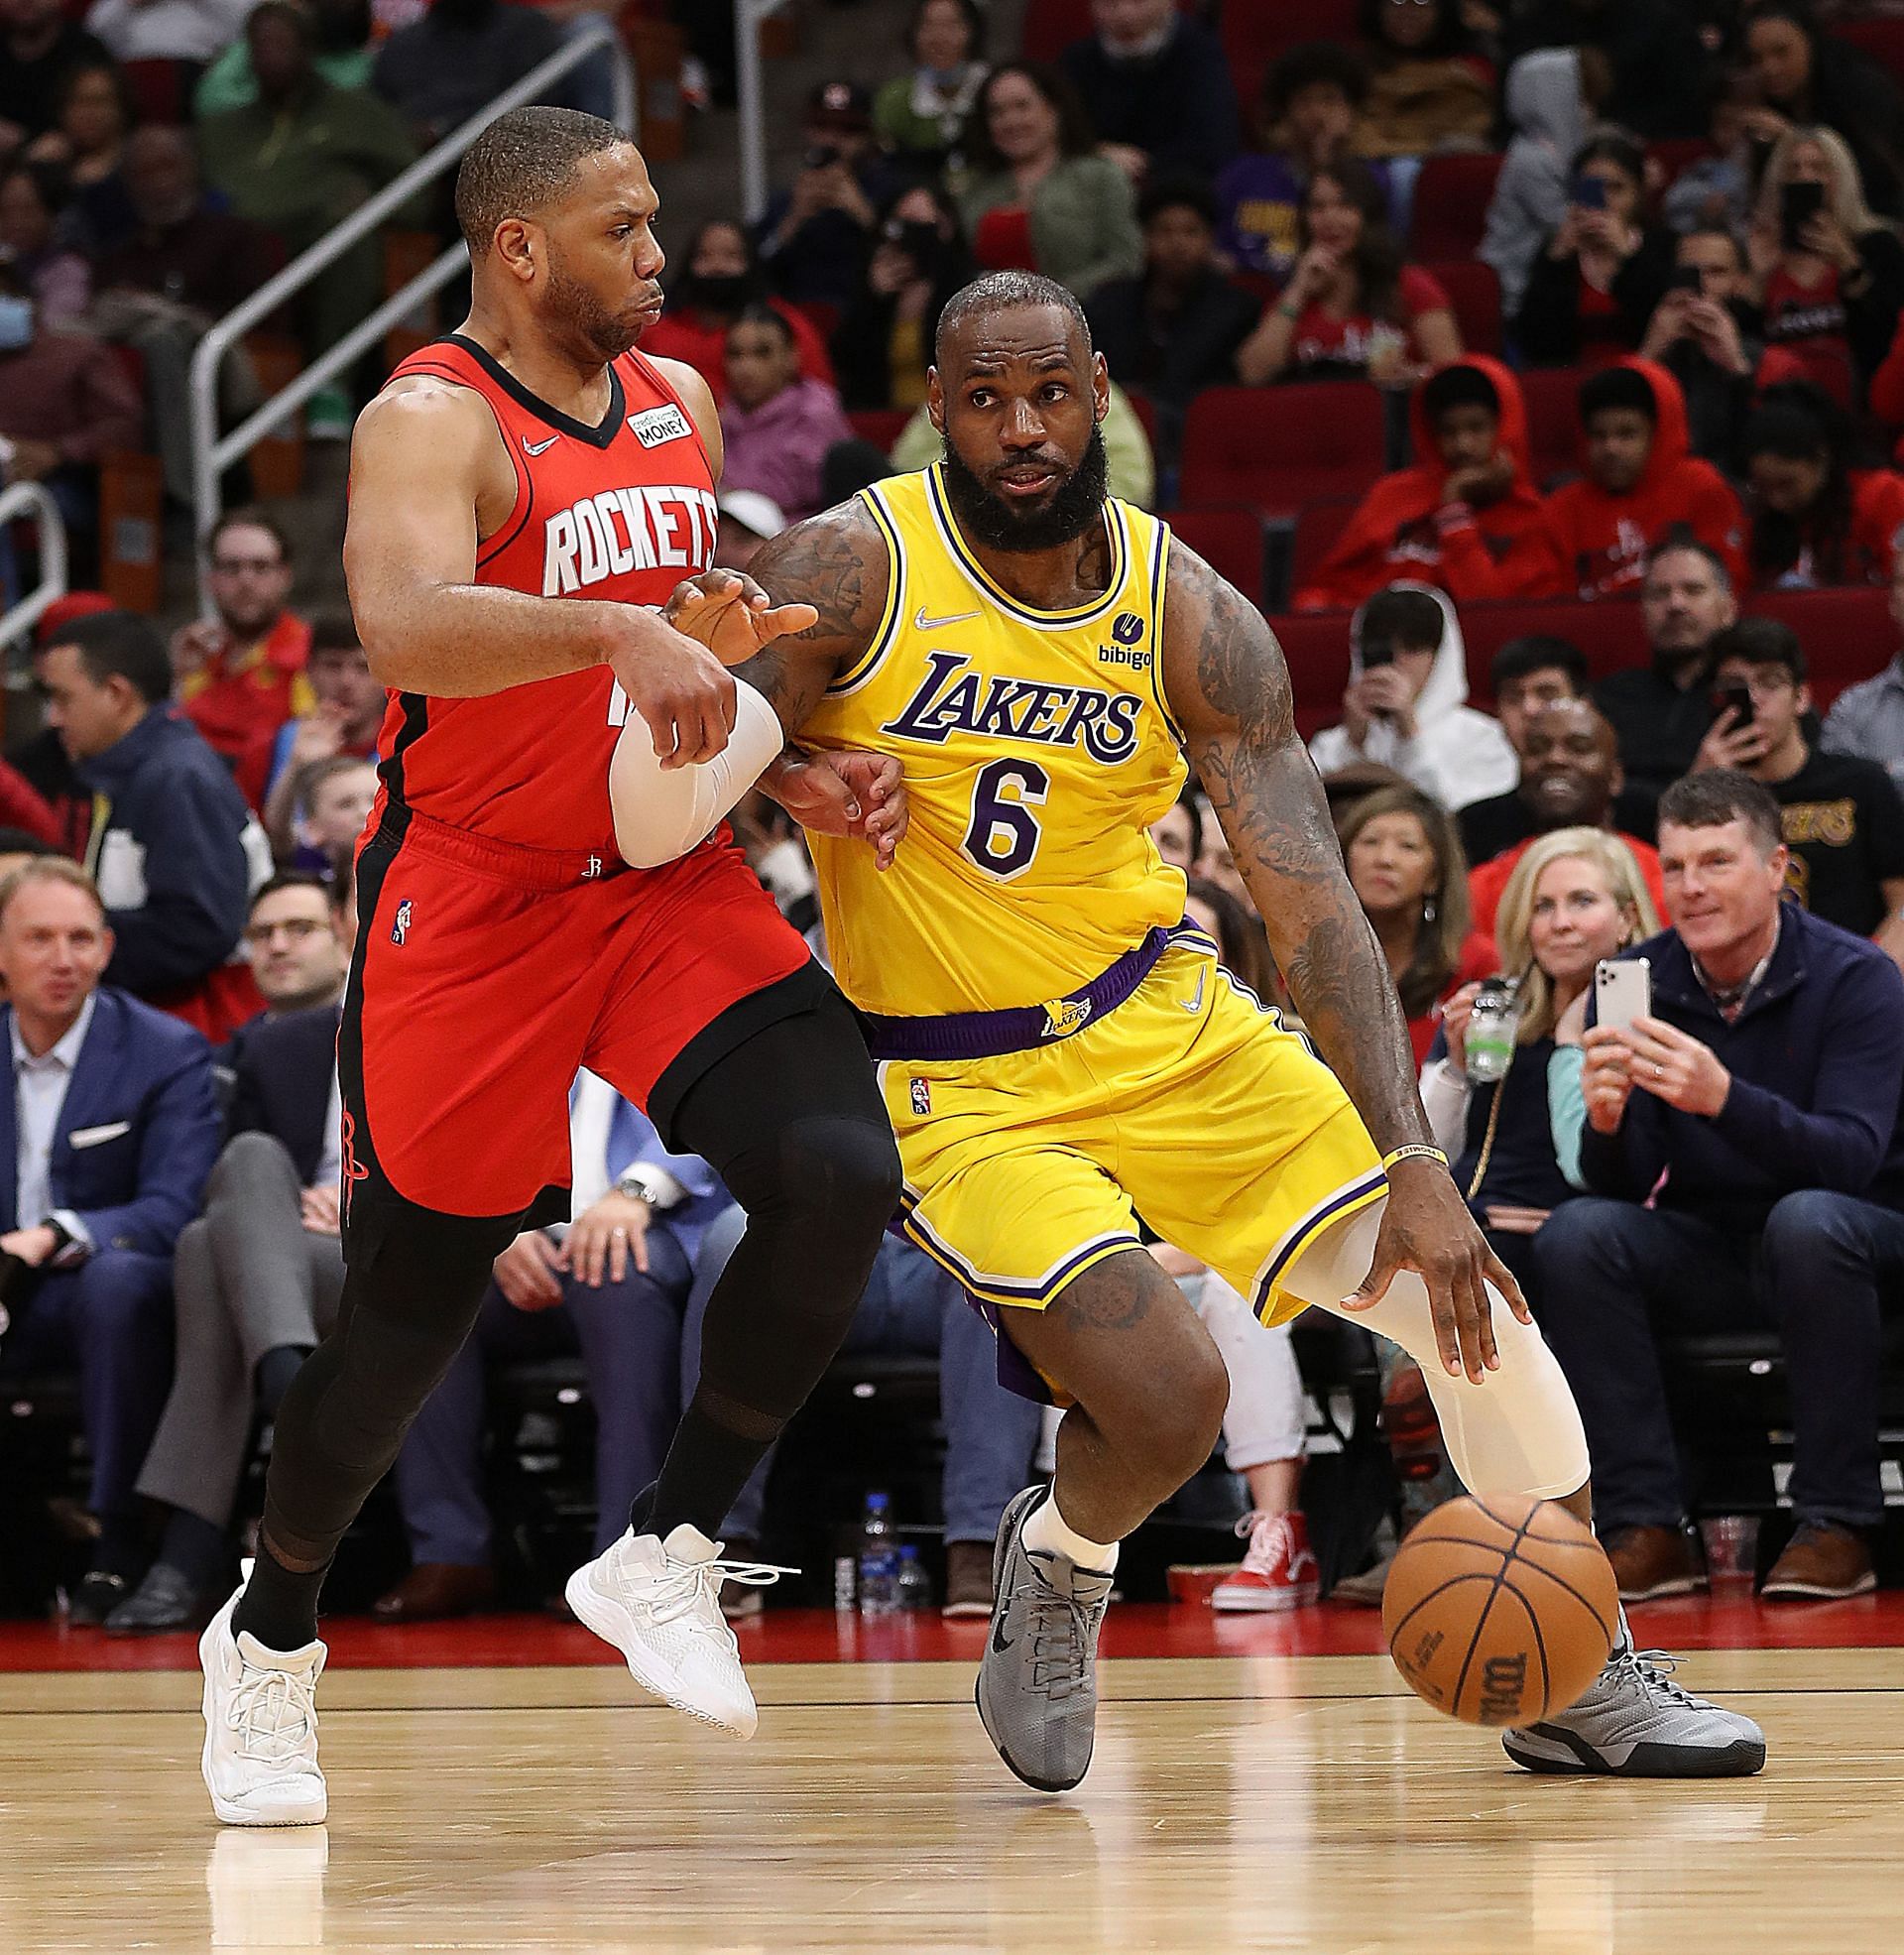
[[1511, 1119]]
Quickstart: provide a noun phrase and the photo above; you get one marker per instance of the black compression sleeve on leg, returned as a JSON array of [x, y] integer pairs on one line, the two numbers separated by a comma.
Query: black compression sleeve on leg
[[791, 1120]]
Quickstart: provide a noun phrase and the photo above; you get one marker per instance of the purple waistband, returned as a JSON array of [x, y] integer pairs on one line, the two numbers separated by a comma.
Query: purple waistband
[[1023, 1027]]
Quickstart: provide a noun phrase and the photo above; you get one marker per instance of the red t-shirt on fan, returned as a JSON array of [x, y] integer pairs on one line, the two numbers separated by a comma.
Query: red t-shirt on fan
[[622, 511]]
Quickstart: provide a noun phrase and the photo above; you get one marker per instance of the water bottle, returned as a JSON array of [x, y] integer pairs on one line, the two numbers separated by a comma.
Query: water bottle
[[914, 1586], [879, 1558], [1492, 1029]]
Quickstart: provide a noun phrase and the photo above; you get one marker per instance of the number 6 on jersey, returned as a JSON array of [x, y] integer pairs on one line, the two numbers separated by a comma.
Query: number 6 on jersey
[[1003, 839]]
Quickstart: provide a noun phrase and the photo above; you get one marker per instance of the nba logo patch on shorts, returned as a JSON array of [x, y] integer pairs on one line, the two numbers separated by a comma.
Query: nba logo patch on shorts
[[921, 1096], [400, 928]]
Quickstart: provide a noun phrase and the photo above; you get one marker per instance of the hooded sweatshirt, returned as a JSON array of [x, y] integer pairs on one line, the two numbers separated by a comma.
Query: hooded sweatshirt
[[1457, 755], [1549, 117], [1603, 540], [1406, 529]]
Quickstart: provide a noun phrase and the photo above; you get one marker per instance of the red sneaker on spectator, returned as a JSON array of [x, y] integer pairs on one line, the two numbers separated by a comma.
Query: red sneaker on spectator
[[1278, 1567]]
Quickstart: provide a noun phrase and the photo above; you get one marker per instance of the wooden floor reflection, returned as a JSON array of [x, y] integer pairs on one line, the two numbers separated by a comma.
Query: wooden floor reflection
[[1283, 1803]]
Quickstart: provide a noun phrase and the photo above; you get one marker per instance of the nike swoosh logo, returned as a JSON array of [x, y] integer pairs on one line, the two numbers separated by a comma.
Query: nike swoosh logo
[[1001, 1642], [1196, 1004], [921, 622], [538, 447]]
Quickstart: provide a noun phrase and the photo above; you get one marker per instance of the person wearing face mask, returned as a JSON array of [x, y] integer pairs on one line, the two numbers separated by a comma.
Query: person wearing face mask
[[719, 278], [1404, 708], [920, 116], [882, 346]]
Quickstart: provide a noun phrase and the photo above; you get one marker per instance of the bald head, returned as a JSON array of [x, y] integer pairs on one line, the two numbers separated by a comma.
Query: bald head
[[1569, 767], [523, 163]]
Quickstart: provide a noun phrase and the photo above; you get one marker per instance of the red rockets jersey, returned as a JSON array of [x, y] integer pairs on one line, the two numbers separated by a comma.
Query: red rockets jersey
[[622, 511]]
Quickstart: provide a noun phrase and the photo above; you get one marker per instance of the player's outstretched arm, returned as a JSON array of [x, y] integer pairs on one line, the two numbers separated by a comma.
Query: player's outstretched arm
[[1228, 685], [427, 474]]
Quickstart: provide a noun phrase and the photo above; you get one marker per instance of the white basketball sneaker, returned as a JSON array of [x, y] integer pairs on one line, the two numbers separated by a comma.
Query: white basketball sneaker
[[261, 1727], [659, 1602]]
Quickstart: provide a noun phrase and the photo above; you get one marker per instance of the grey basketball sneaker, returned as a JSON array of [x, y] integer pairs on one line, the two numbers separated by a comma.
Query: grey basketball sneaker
[[1037, 1688], [1637, 1723]]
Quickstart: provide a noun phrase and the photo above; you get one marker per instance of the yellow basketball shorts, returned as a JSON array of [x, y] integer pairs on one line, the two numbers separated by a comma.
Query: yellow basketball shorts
[[1189, 1105]]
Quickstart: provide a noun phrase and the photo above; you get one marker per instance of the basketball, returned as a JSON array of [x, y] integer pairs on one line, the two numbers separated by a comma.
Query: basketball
[[1501, 1611]]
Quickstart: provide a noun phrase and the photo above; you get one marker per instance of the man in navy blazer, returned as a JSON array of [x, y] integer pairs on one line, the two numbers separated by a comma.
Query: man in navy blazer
[[105, 1143]]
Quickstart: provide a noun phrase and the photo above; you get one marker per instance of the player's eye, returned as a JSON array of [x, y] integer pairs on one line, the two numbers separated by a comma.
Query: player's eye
[[980, 397]]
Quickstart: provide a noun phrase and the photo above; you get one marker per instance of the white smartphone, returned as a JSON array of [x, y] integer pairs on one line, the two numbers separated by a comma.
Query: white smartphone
[[1622, 992]]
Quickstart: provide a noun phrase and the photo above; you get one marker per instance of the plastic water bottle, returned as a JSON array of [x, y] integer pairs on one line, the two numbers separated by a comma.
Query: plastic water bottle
[[915, 1584], [879, 1558]]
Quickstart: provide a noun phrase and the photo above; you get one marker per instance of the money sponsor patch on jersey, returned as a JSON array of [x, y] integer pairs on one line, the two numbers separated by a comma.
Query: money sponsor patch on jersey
[[654, 426]]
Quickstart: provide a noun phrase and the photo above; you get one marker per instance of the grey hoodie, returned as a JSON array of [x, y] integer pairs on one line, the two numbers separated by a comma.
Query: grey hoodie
[[1549, 114]]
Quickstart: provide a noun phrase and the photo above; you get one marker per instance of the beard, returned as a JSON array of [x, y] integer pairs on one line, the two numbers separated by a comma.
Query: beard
[[1076, 504], [582, 320]]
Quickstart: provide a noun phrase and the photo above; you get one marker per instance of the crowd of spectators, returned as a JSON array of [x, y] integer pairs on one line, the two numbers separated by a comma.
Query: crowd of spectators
[[1695, 216]]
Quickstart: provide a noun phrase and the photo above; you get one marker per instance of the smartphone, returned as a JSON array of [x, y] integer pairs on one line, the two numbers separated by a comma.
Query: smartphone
[[1686, 278], [1622, 992], [1590, 192], [1798, 205], [1737, 697], [1377, 652]]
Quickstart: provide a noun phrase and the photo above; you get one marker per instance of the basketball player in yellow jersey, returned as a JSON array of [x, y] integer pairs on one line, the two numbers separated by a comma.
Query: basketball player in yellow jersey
[[1059, 1055]]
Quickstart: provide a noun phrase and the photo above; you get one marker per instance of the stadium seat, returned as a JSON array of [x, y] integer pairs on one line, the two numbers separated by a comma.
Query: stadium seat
[[1847, 634], [1474, 292], [1282, 447], [1882, 40], [1452, 196], [1552, 395], [879, 426], [1256, 32], [1318, 525], [1229, 537]]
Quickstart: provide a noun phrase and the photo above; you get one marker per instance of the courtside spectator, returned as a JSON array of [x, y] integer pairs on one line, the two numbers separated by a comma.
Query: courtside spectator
[[33, 197], [340, 39], [1742, 1145], [612, 1286], [1526, 677], [320, 816], [1655, 57], [883, 345], [299, 945], [1550, 99], [720, 279], [1039, 197], [1706, 334], [1429, 90], [1641, 486], [109, 1133], [299, 161], [1576, 896], [1843, 824], [175, 852], [256, 1283], [813, 237], [1593, 284], [42, 761], [1867, 720], [1174, 329], [1159, 88], [920, 117], [1570, 778], [1405, 866], [1816, 520], [1405, 709], [1830, 274], [1661, 712], [776, 426], [1178, 835], [1467, 516], [1805, 75], [240, 674], [345, 715], [38, 42], [87, 145], [1311, 99], [439, 70], [1351, 306]]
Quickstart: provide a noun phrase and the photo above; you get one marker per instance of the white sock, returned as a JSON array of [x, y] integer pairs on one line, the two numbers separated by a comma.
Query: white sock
[[1046, 1530]]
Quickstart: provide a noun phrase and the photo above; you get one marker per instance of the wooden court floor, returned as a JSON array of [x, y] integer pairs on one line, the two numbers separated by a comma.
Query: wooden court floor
[[1267, 1803]]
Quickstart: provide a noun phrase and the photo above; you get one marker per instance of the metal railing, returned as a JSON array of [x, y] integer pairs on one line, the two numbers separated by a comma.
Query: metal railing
[[749, 94], [211, 453], [30, 499]]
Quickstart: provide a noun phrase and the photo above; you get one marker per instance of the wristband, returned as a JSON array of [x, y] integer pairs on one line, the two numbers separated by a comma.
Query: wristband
[[1415, 1150]]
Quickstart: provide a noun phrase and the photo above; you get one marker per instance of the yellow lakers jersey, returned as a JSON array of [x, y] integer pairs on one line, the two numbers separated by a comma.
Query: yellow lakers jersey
[[1037, 751]]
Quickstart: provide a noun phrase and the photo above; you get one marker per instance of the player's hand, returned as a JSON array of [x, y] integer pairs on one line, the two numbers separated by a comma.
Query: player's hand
[[683, 693], [729, 613], [317, 1210], [526, 1272], [861, 797], [1426, 1227], [603, 1239], [1674, 1068]]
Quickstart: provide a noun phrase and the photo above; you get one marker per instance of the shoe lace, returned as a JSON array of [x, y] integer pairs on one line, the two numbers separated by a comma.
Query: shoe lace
[[1060, 1629], [1653, 1670], [691, 1590], [274, 1714]]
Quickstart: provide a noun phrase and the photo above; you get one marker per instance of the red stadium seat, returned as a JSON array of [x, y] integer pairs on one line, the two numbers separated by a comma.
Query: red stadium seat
[[1318, 525], [1848, 635], [1229, 537], [1282, 447], [879, 426], [1474, 292], [1452, 196], [1552, 395], [1256, 32], [1882, 40]]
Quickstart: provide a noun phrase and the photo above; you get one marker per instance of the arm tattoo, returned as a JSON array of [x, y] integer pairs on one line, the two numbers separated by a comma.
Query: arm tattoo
[[1229, 690], [834, 562]]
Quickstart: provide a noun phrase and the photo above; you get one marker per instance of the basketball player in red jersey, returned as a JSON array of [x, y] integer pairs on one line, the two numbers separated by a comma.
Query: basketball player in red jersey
[[519, 492]]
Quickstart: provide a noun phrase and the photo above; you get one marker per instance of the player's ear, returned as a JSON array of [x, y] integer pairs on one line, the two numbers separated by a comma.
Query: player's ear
[[934, 399], [1100, 385], [517, 246]]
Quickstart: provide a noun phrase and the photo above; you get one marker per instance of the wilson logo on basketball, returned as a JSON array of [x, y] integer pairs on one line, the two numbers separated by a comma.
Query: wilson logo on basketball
[[621, 530], [1503, 1680]]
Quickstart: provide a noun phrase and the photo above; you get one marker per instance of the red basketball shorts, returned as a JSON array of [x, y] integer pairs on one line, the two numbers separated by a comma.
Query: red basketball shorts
[[487, 975]]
